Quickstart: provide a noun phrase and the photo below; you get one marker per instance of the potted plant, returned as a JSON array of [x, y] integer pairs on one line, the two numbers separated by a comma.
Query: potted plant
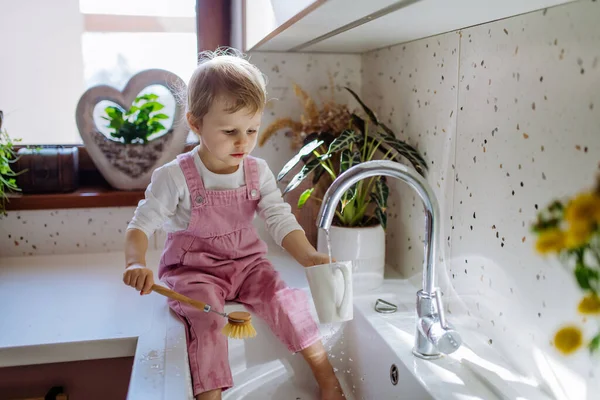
[[358, 229], [330, 117], [7, 158], [138, 141], [137, 124]]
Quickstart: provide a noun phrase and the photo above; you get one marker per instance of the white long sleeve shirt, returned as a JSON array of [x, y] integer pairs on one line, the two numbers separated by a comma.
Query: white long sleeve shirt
[[167, 202]]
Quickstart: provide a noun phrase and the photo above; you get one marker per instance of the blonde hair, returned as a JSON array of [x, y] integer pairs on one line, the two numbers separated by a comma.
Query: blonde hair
[[225, 73]]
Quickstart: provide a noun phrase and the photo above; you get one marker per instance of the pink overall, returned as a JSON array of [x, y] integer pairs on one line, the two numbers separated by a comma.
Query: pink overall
[[219, 258]]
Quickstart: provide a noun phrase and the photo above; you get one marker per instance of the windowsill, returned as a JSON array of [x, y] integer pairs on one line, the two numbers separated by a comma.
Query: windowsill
[[93, 192], [84, 197]]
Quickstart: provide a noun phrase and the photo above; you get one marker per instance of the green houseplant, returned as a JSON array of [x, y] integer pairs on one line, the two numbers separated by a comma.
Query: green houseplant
[[326, 156], [358, 230], [7, 175], [137, 124]]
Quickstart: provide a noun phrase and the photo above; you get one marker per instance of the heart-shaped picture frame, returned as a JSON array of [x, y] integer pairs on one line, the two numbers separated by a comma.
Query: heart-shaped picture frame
[[130, 166]]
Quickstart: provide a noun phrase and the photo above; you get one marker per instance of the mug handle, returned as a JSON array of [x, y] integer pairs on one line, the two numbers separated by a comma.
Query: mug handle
[[341, 309]]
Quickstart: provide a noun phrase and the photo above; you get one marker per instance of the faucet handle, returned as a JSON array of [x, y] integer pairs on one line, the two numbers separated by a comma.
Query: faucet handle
[[446, 339]]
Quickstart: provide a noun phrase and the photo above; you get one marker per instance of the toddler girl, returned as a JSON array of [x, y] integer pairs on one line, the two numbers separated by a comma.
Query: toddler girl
[[206, 200]]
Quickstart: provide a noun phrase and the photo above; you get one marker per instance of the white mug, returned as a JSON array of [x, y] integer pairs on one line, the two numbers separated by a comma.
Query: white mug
[[331, 289]]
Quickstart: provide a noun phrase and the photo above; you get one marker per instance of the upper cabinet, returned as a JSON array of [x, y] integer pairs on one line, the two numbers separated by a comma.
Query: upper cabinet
[[345, 26]]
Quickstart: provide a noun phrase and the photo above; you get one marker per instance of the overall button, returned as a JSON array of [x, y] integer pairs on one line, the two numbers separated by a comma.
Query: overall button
[[253, 192], [199, 199]]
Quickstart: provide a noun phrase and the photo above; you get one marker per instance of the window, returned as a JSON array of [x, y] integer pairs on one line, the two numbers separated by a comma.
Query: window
[[63, 48]]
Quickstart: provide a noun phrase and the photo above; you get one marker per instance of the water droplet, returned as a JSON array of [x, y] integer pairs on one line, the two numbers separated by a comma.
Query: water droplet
[[349, 359]]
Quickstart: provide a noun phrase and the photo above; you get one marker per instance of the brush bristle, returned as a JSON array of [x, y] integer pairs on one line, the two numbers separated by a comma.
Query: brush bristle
[[239, 331]]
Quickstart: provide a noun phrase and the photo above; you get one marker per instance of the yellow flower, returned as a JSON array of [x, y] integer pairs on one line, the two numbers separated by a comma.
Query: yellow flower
[[578, 235], [583, 209], [568, 339], [590, 304], [551, 240]]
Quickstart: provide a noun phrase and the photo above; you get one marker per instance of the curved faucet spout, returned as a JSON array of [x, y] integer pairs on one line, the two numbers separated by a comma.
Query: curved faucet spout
[[414, 180], [433, 336]]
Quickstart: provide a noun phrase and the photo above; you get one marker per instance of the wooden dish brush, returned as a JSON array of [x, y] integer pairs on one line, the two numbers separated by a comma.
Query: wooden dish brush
[[239, 324]]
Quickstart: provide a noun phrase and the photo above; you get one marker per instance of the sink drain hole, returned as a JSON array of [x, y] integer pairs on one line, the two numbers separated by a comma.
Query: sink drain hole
[[394, 374]]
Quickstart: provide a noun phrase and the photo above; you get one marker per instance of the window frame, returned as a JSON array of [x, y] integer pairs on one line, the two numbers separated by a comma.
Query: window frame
[[213, 29]]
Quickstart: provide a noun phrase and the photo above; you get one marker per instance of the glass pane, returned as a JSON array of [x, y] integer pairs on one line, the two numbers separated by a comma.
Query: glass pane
[[39, 103], [112, 58], [163, 8]]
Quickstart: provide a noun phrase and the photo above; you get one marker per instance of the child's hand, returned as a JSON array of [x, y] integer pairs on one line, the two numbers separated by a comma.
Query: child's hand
[[139, 277], [317, 258]]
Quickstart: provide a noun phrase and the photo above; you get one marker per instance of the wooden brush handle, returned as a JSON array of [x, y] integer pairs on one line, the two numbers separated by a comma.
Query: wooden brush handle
[[177, 296]]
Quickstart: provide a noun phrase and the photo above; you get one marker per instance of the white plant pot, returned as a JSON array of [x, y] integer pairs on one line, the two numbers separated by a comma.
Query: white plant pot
[[364, 247]]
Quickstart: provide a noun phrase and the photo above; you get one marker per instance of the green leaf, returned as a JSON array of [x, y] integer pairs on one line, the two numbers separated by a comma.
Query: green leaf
[[160, 116], [407, 151], [381, 217], [389, 138], [303, 152], [115, 124], [343, 141], [152, 106], [132, 110], [594, 344], [347, 160], [113, 112], [304, 197], [380, 197], [7, 157], [304, 172], [371, 115], [155, 127], [358, 122], [148, 96], [586, 278], [367, 110]]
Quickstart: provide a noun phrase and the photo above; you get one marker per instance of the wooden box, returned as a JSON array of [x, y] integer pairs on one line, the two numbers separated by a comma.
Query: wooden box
[[47, 169]]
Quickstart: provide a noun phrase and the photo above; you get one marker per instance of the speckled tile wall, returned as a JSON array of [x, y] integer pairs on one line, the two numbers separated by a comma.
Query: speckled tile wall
[[413, 88], [93, 230], [102, 229], [524, 94]]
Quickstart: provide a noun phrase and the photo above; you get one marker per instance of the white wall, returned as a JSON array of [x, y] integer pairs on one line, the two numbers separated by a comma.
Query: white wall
[[40, 42], [494, 159]]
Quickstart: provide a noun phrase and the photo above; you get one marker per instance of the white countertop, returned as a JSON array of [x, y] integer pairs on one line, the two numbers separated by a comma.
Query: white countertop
[[75, 307]]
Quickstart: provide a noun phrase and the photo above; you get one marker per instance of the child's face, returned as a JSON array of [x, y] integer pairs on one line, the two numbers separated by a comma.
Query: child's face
[[226, 138]]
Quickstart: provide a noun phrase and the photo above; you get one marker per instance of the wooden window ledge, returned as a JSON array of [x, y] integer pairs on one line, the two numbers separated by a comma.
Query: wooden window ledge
[[93, 192], [84, 197]]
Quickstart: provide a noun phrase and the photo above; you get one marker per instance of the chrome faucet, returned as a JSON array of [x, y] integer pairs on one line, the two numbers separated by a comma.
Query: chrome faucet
[[434, 336]]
